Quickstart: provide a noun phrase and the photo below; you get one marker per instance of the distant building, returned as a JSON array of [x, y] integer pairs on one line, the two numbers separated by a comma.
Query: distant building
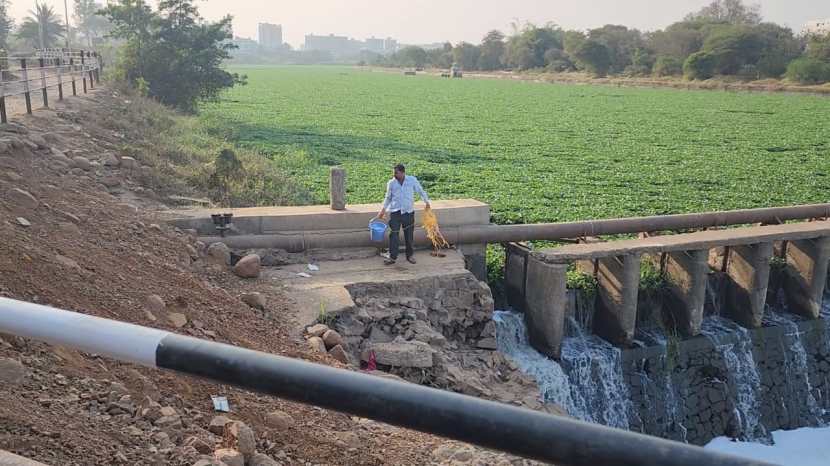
[[375, 45], [821, 26], [245, 45], [390, 45], [270, 35]]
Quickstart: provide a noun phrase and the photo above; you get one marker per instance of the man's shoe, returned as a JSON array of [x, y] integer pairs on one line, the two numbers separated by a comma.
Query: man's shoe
[[389, 262], [411, 260]]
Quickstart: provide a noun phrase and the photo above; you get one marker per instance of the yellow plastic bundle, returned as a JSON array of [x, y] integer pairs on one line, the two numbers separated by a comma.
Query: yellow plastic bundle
[[430, 225]]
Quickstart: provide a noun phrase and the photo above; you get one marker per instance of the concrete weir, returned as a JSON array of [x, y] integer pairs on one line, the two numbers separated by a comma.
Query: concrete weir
[[305, 224], [746, 259]]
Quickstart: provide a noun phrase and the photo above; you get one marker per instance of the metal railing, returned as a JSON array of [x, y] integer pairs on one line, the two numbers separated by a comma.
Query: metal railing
[[47, 69], [511, 429]]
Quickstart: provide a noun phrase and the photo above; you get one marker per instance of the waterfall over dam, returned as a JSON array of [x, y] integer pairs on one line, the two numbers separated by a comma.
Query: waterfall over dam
[[729, 381]]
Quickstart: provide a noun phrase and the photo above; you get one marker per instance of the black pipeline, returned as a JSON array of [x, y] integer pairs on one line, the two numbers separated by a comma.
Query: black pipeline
[[492, 425]]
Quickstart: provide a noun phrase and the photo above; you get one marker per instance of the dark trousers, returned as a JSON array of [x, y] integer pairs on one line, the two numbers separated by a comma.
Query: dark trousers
[[397, 221]]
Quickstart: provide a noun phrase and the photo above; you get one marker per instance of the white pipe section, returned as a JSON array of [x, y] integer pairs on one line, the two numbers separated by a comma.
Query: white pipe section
[[118, 340]]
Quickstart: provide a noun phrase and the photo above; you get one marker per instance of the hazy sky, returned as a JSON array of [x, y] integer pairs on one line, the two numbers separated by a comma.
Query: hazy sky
[[426, 21]]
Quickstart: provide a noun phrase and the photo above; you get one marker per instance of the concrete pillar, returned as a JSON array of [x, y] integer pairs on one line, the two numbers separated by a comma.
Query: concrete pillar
[[515, 270], [618, 282], [807, 275], [475, 259], [547, 302], [688, 273], [748, 272], [337, 188]]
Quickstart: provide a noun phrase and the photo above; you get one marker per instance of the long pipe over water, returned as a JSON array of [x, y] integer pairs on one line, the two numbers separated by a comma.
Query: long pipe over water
[[519, 431], [479, 234]]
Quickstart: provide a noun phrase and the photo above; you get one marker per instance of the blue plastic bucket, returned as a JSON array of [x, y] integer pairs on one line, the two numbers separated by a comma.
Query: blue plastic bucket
[[377, 230]]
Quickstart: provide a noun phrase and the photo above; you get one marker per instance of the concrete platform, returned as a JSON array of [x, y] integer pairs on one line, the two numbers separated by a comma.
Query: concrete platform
[[328, 286], [270, 220]]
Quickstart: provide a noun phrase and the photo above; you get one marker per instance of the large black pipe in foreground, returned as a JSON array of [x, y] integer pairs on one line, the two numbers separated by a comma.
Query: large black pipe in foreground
[[492, 425], [480, 234]]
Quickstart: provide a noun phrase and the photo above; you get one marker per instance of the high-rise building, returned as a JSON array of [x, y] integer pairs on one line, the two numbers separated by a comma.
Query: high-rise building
[[821, 26], [270, 35]]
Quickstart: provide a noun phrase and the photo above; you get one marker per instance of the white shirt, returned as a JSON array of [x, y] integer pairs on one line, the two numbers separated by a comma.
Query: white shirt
[[401, 196]]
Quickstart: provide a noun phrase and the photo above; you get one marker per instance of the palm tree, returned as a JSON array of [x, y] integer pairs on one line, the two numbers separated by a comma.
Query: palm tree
[[42, 28]]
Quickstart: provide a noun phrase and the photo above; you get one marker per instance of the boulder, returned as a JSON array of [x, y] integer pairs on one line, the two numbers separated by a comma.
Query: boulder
[[261, 459], [20, 198], [129, 163], [248, 266], [110, 160], [219, 253], [198, 444], [230, 457], [38, 140], [23, 222], [488, 343], [331, 338], [317, 330], [69, 228], [245, 440], [337, 352], [279, 420], [154, 303], [82, 163], [177, 319], [12, 372], [217, 425], [316, 343], [255, 299], [403, 354]]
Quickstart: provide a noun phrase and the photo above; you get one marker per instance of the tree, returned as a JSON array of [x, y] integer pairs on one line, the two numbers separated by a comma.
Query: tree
[[732, 48], [806, 70], [440, 58], [818, 47], [779, 47], [526, 48], [173, 50], [42, 28], [491, 51], [667, 66], [594, 57], [622, 44], [466, 55], [728, 11], [699, 65], [679, 40], [92, 25], [6, 24], [412, 55]]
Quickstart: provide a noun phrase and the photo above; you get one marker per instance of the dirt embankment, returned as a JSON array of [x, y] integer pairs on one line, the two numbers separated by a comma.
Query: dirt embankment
[[671, 82], [79, 231]]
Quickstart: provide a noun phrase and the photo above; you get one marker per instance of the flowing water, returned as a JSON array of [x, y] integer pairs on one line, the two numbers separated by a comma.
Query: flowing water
[[799, 390], [734, 344], [588, 384]]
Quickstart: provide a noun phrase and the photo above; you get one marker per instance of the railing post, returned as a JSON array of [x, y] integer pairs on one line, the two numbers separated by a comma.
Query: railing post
[[25, 72], [43, 82], [83, 70], [3, 118], [97, 67], [72, 74], [59, 65], [91, 80]]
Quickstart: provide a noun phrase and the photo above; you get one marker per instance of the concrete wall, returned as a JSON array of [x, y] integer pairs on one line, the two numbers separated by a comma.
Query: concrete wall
[[698, 403]]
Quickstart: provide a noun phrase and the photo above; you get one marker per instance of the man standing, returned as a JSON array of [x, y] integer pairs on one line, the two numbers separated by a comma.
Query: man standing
[[400, 203]]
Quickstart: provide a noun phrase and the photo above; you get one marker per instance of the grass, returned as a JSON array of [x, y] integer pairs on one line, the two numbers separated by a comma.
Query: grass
[[182, 154], [535, 152]]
